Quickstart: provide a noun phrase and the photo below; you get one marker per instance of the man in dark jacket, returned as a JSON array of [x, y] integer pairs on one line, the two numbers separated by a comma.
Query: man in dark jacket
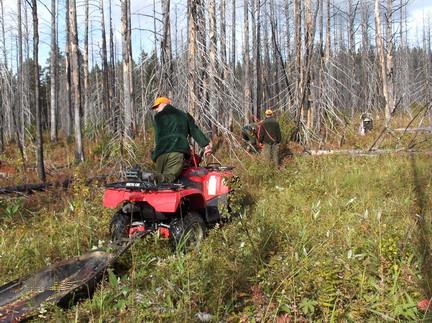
[[270, 136], [172, 128]]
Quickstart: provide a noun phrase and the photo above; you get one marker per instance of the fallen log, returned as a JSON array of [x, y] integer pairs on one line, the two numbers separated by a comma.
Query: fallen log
[[420, 129], [38, 187], [360, 152], [30, 188]]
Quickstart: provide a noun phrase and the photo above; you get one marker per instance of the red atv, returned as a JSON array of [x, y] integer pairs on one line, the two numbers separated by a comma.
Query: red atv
[[180, 211]]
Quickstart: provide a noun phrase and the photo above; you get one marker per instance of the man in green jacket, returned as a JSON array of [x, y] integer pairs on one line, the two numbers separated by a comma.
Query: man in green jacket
[[269, 135], [172, 128]]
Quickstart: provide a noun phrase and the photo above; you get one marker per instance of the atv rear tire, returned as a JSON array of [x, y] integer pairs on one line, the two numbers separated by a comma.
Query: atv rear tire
[[187, 232], [119, 227]]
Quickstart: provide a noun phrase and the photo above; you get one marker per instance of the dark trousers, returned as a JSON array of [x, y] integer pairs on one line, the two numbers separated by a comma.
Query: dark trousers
[[169, 167]]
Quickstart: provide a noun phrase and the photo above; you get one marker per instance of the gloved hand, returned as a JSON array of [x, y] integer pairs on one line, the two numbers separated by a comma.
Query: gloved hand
[[147, 176], [208, 149]]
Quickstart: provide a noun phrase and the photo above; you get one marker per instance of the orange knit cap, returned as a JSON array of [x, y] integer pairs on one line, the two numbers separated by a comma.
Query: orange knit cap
[[159, 100]]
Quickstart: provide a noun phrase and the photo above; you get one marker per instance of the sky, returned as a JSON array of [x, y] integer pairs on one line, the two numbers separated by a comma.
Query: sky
[[142, 37]]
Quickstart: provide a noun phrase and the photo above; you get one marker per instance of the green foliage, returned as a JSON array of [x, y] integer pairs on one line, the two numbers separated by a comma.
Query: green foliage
[[287, 126], [11, 210]]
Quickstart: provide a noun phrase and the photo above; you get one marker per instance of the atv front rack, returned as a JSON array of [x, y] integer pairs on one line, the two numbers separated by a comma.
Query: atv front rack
[[145, 186]]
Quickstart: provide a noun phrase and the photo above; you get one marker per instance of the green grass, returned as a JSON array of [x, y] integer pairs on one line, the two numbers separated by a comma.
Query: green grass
[[333, 238], [329, 239]]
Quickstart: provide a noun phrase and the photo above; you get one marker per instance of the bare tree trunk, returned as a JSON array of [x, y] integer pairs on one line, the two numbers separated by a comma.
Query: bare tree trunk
[[328, 33], [86, 105], [166, 50], [106, 99], [54, 74], [351, 48], [256, 44], [112, 73], [212, 70], [389, 60], [154, 28], [223, 50], [68, 76], [386, 61], [192, 53], [309, 41], [127, 68], [39, 141], [20, 103], [27, 94], [298, 63], [3, 92], [233, 37], [76, 80], [246, 63]]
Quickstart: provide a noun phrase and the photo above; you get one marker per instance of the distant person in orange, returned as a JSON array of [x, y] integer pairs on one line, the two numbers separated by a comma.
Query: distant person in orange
[[269, 135]]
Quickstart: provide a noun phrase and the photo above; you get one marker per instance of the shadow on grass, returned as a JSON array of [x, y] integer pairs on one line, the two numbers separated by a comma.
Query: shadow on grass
[[424, 230]]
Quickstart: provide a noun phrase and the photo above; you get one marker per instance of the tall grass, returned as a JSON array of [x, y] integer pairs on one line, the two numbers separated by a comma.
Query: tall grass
[[329, 239]]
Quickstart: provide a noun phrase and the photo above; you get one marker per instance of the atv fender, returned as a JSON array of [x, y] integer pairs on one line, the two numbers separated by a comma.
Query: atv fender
[[161, 201]]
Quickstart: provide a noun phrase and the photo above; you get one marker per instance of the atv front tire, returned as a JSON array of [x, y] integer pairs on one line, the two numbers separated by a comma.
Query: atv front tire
[[187, 232], [119, 227]]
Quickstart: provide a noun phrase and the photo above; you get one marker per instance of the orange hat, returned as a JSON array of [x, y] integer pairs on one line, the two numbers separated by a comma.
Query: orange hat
[[159, 100], [268, 112]]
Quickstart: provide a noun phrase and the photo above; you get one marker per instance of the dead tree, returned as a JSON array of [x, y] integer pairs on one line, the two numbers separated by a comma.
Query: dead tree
[[127, 68], [112, 73], [54, 74], [39, 140], [192, 69], [76, 81], [212, 70], [233, 36], [246, 63], [106, 99], [3, 92], [256, 66], [86, 105], [68, 76], [166, 50], [298, 65], [385, 55], [20, 103]]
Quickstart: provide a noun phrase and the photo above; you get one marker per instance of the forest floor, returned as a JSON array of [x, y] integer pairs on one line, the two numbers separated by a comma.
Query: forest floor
[[329, 238]]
